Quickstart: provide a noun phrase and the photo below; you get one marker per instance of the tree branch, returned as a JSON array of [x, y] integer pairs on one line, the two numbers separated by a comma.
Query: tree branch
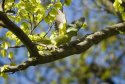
[[20, 34], [75, 47]]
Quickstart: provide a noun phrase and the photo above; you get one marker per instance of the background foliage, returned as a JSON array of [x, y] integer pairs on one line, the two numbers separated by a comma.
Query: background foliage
[[103, 62]]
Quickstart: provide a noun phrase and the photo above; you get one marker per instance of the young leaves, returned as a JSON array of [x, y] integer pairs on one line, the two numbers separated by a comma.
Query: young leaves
[[53, 12], [3, 53], [4, 47], [8, 5], [119, 8], [10, 55]]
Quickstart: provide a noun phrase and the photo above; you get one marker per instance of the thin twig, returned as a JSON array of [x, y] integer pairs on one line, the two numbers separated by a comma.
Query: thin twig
[[25, 46], [36, 26], [50, 27], [17, 46]]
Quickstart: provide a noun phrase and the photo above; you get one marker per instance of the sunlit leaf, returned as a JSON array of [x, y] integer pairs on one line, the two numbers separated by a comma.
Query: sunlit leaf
[[10, 55], [84, 25], [3, 52], [5, 45], [58, 5]]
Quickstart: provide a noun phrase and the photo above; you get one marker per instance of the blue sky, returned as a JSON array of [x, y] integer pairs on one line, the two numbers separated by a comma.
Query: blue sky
[[73, 12]]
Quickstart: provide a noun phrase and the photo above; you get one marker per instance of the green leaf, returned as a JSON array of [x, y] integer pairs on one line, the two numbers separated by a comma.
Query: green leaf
[[84, 25], [40, 47], [53, 12], [38, 1], [44, 41], [5, 45], [62, 29], [106, 74], [42, 34], [117, 6], [120, 1], [10, 55], [12, 64], [68, 2], [123, 15], [17, 19], [60, 40], [121, 9], [72, 31], [52, 0], [24, 25], [58, 5], [8, 4], [3, 53], [49, 19], [18, 42], [49, 6]]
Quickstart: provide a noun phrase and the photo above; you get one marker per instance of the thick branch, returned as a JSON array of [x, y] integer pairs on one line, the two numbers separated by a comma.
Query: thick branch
[[20, 34], [75, 47]]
